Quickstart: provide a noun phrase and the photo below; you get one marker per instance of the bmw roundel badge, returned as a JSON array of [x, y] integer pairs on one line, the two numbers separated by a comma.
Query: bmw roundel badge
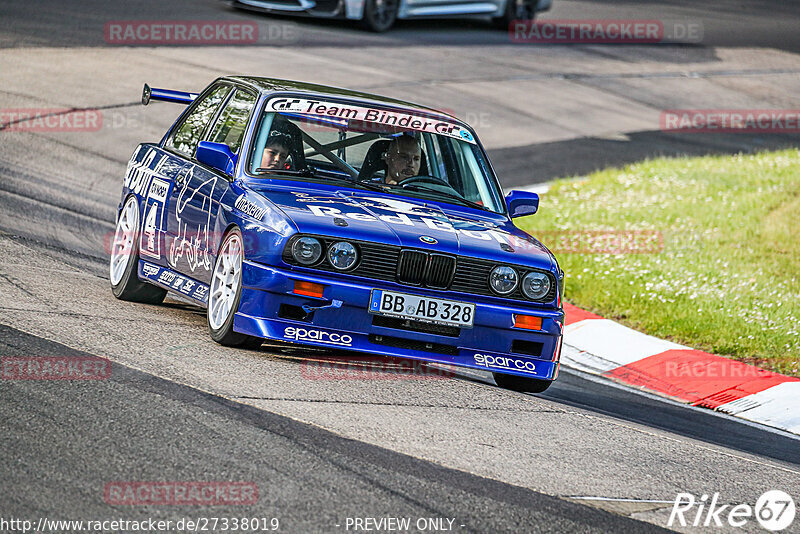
[[428, 239]]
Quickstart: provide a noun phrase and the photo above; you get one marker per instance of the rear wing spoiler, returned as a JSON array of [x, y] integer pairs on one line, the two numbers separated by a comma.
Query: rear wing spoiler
[[166, 95]]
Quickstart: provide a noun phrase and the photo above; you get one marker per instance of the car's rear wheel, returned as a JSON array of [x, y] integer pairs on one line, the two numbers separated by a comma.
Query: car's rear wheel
[[524, 10], [379, 15], [521, 383], [124, 260], [226, 292]]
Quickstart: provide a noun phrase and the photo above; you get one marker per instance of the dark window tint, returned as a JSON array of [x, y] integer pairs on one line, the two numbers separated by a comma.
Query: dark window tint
[[188, 134], [229, 128]]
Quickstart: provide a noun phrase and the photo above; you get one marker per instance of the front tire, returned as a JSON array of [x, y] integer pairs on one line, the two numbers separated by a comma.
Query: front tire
[[225, 293], [379, 15], [124, 260], [521, 383]]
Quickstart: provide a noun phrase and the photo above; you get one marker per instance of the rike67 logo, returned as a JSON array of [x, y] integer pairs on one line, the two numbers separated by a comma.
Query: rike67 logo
[[774, 511]]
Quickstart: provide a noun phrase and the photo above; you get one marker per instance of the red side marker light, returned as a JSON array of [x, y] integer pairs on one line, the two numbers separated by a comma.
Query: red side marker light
[[308, 289], [528, 322]]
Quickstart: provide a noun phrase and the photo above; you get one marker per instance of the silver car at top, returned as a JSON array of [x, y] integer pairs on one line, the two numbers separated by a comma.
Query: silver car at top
[[380, 15]]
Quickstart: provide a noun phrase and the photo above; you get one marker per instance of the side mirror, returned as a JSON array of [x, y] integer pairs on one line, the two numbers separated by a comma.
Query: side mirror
[[217, 155], [521, 203]]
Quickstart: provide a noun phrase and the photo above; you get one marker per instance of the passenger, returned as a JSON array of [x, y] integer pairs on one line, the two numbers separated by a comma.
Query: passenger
[[403, 158], [276, 150]]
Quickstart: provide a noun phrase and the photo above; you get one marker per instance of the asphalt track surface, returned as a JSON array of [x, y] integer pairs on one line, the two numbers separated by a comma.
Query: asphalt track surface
[[308, 478], [586, 456]]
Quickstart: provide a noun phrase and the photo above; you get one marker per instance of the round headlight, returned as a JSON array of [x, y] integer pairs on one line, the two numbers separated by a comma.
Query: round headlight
[[342, 255], [536, 285], [503, 280], [307, 250]]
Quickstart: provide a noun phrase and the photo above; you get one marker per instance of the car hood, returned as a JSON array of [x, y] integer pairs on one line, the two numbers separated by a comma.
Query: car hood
[[407, 222]]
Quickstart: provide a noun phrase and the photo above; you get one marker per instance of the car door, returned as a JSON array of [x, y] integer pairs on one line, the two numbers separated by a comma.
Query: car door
[[188, 207], [195, 200]]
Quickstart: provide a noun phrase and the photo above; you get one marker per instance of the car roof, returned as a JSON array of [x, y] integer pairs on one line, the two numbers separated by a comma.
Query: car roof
[[276, 85]]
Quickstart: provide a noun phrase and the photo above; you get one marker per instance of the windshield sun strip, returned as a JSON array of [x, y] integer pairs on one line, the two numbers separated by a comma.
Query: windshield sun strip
[[331, 110]]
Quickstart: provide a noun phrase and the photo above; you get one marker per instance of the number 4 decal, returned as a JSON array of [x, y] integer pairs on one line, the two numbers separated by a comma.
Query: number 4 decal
[[153, 224], [149, 234]]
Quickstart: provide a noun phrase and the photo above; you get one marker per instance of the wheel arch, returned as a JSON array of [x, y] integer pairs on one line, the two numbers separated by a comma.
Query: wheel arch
[[124, 201], [230, 226]]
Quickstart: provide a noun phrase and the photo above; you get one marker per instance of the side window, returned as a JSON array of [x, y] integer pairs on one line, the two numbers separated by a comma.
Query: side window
[[229, 128], [187, 135]]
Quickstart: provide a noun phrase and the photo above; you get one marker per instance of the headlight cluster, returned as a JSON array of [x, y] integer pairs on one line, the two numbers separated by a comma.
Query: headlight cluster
[[504, 280], [308, 251]]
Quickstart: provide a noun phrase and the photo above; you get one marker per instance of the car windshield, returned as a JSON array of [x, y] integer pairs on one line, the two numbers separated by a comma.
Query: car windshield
[[372, 148]]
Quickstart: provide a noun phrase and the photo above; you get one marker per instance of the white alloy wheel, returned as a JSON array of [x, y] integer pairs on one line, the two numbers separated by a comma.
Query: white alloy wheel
[[123, 247], [225, 282]]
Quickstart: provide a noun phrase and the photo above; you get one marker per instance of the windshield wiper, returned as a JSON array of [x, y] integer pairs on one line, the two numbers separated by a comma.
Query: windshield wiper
[[290, 172], [454, 196], [374, 186]]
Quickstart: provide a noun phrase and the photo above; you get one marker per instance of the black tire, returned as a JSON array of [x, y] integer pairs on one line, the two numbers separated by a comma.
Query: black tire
[[521, 383], [223, 333], [129, 287], [379, 15], [516, 10]]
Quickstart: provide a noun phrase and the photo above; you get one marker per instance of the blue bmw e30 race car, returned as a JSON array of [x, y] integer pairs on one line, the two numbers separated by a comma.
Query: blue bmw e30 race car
[[320, 216]]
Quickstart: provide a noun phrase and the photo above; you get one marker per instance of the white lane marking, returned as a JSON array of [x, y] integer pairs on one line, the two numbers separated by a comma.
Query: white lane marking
[[613, 499]]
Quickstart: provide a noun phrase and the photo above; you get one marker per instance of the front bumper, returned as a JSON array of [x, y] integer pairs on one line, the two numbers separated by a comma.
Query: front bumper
[[492, 344]]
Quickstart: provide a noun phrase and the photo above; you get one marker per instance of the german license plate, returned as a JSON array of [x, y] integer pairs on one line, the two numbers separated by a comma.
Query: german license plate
[[419, 308]]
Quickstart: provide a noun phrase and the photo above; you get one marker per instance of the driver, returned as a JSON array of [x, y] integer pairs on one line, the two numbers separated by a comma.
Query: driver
[[403, 158]]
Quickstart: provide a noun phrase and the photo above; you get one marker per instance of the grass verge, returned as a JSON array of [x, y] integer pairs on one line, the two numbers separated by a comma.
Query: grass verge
[[727, 279]]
